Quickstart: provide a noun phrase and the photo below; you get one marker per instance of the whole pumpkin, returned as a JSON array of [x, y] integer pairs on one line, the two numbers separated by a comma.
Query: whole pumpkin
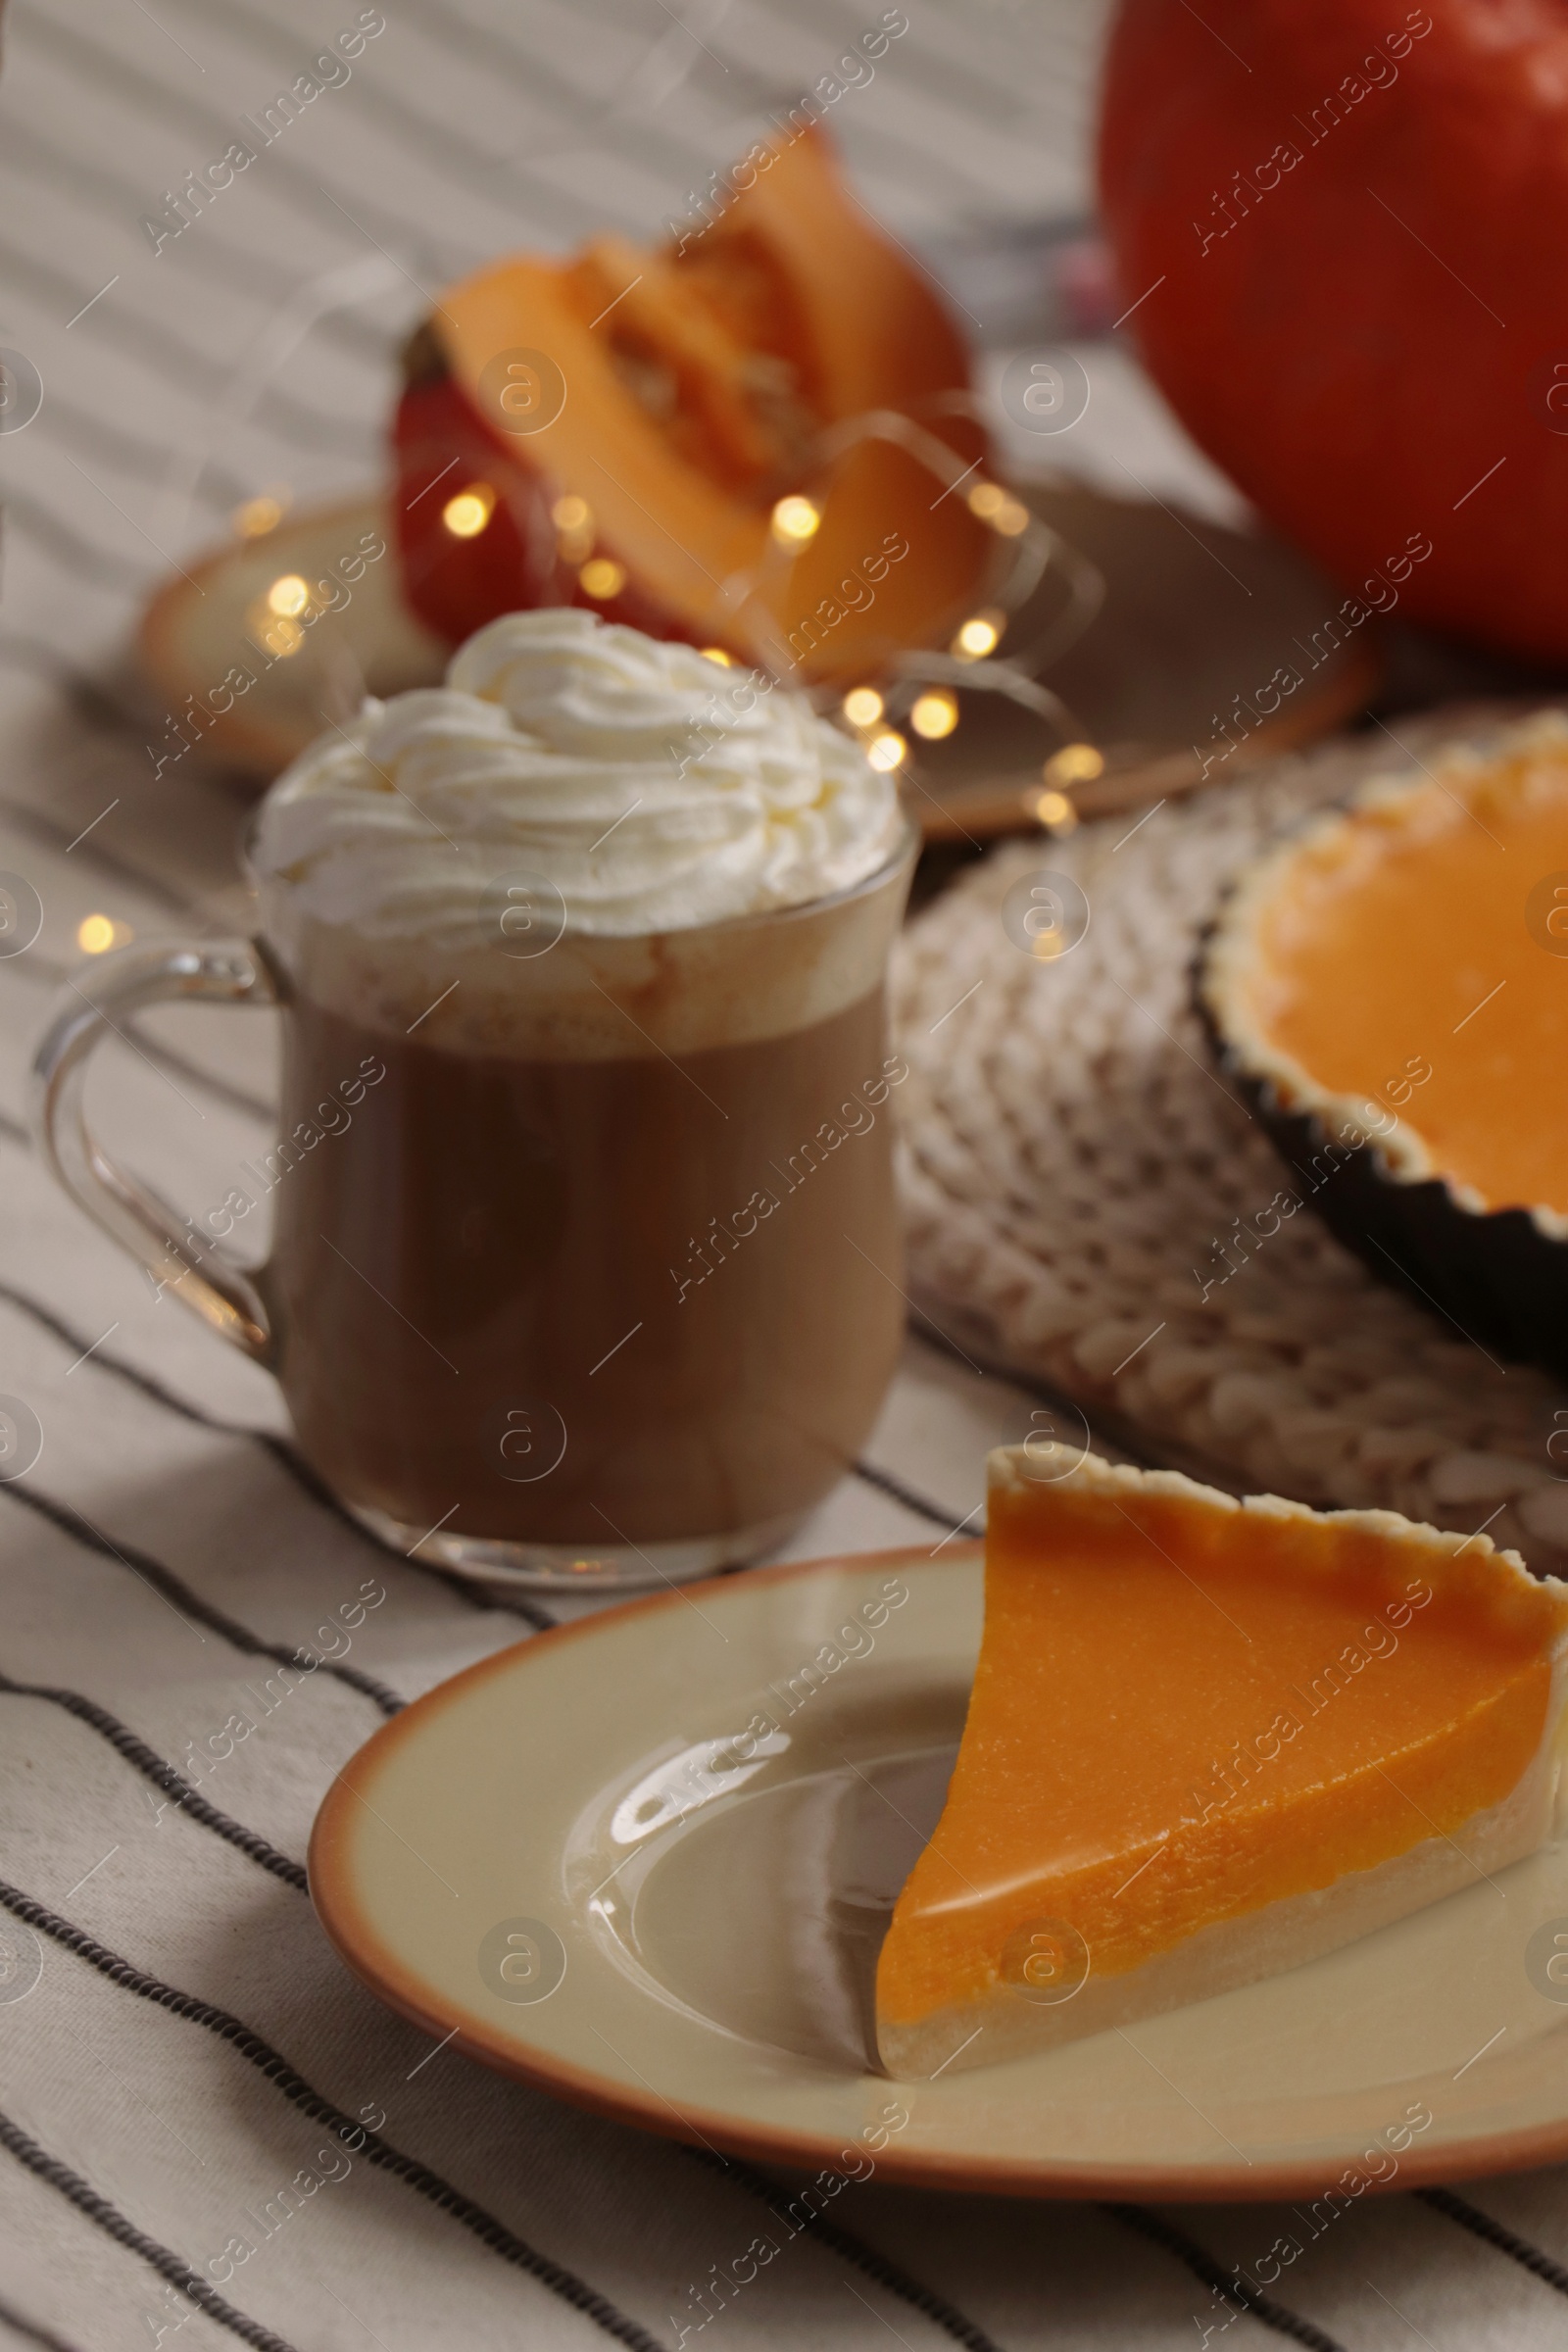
[[1344, 225]]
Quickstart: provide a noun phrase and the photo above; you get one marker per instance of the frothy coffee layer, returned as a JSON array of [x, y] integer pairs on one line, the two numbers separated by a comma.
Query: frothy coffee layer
[[650, 787], [588, 999]]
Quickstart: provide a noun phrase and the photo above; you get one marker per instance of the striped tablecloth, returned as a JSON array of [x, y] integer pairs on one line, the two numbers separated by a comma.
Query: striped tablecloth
[[177, 2044]]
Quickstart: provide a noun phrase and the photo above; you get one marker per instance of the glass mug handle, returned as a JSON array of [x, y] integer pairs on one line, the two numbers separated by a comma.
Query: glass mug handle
[[224, 971]]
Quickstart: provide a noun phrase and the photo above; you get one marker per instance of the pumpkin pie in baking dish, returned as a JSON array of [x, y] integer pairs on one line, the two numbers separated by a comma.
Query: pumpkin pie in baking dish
[[1209, 1741], [1389, 984]]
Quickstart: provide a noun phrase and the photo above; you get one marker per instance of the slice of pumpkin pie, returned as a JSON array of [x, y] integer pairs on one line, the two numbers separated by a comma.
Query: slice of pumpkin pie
[[1209, 1741]]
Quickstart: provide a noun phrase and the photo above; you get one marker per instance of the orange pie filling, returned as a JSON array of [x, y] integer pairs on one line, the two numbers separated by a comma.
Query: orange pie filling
[[1403, 967], [1186, 1711]]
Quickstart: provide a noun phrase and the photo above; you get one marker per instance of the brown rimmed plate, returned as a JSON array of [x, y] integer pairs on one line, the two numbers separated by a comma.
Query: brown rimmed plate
[[1178, 677], [249, 687], [644, 1862]]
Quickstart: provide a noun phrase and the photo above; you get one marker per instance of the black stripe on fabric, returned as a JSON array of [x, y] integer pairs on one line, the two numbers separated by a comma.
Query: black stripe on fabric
[[124, 453], [44, 828], [34, 2329], [867, 2259], [89, 698], [156, 346], [570, 115], [70, 1335], [14, 1131], [843, 2242], [563, 107], [210, 255], [71, 551], [90, 63], [356, 2136], [881, 145], [110, 2219], [1496, 2234], [740, 90], [152, 1766], [529, 1613], [49, 975], [448, 152], [222, 1090], [1204, 2266], [182, 1597], [885, 1482], [287, 1456]]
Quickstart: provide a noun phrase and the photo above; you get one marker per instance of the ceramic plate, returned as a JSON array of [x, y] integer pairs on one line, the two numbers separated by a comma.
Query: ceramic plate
[[254, 693], [1196, 618], [646, 1861]]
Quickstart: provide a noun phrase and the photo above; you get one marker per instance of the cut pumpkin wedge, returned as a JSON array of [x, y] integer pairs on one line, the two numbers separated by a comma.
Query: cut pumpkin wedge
[[1209, 1741], [634, 419]]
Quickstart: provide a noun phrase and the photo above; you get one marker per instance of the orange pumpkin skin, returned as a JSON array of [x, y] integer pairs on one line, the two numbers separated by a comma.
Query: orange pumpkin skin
[[1359, 215]]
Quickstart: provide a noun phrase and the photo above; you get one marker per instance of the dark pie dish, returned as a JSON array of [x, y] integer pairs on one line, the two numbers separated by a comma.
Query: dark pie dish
[[1387, 988]]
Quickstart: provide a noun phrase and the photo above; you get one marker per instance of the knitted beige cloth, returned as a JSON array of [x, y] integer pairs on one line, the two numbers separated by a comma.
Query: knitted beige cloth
[[1076, 1172]]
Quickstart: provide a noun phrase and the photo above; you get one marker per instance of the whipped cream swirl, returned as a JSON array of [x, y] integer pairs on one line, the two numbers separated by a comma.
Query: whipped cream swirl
[[653, 789]]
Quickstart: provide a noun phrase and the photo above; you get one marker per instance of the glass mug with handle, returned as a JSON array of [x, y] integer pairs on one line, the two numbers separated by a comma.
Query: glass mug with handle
[[585, 1254]]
